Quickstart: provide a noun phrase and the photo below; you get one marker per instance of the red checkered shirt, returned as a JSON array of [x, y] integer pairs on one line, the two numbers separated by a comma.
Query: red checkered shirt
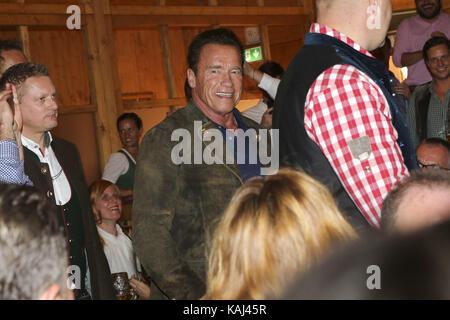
[[344, 104]]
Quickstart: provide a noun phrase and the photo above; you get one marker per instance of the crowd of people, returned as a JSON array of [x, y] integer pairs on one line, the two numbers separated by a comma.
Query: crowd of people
[[362, 179]]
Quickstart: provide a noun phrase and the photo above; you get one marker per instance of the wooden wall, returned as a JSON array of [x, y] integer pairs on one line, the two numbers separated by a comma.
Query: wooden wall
[[131, 55]]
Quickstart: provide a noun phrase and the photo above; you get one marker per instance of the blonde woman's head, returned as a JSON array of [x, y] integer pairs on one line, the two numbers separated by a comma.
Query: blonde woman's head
[[105, 201], [274, 229]]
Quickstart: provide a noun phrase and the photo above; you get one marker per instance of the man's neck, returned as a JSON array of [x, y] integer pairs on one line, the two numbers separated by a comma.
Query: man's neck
[[38, 137], [430, 20], [225, 120], [441, 87], [351, 31]]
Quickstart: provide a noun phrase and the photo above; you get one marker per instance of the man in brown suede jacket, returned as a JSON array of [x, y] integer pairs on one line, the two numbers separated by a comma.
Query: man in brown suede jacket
[[183, 182]]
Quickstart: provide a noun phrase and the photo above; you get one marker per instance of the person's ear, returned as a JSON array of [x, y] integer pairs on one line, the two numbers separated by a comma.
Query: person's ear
[[51, 293], [191, 78]]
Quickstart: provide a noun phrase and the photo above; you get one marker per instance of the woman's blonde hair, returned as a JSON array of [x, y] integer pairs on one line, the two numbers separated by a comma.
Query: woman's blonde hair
[[95, 193], [274, 229]]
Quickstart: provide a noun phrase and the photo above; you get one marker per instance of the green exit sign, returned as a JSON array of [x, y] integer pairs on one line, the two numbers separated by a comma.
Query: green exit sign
[[253, 54]]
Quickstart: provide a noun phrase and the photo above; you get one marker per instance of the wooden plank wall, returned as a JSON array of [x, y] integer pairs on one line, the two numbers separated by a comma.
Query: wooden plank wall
[[117, 61]]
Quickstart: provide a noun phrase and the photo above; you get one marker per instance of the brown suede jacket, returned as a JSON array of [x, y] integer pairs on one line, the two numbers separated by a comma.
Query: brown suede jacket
[[175, 207]]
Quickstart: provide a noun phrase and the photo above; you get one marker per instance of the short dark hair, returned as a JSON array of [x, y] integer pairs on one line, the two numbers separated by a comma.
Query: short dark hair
[[19, 73], [433, 42], [272, 68], [435, 142], [131, 116], [6, 45], [33, 252], [418, 178], [214, 36]]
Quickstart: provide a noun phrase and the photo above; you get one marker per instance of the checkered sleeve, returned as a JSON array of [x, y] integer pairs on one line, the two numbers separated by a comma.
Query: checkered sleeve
[[344, 104], [11, 167]]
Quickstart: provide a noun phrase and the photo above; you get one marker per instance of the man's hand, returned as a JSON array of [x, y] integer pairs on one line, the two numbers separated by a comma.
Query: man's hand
[[142, 289], [6, 115], [403, 89], [18, 121], [252, 73], [438, 34], [266, 121]]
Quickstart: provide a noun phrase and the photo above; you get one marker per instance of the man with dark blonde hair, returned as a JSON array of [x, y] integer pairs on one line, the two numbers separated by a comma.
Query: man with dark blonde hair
[[54, 168]]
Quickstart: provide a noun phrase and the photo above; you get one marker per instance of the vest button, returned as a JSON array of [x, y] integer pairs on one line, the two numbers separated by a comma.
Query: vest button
[[49, 194], [44, 170]]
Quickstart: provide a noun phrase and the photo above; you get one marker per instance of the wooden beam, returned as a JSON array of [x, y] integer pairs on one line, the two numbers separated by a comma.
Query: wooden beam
[[138, 10], [167, 61], [25, 40], [41, 9], [24, 37], [167, 58], [8, 19], [201, 21], [32, 14], [77, 109], [150, 104], [264, 32], [104, 79]]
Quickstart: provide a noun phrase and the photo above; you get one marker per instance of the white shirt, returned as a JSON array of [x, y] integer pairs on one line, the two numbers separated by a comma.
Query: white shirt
[[119, 251], [116, 166], [61, 186], [256, 112], [270, 85]]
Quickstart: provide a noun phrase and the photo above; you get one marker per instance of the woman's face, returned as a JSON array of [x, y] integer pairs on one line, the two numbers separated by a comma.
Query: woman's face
[[109, 206], [129, 133]]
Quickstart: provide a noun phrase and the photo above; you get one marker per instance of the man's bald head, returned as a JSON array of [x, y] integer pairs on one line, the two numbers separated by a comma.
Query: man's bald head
[[364, 21]]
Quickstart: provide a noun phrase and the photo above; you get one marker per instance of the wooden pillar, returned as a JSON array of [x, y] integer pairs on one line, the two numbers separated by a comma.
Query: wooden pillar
[[24, 37], [103, 78], [167, 59], [264, 32], [213, 3]]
